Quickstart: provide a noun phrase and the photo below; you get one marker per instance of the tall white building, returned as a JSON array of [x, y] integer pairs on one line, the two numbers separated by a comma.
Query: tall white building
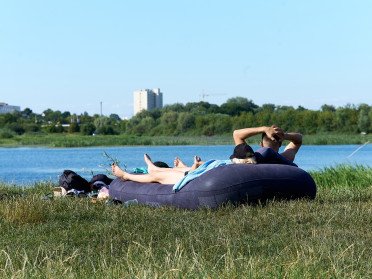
[[5, 108], [147, 99]]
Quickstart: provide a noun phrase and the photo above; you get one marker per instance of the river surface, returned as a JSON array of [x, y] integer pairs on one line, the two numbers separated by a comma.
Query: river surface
[[24, 166]]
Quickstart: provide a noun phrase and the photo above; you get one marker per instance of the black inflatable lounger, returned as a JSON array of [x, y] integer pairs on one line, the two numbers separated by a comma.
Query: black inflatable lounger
[[236, 183]]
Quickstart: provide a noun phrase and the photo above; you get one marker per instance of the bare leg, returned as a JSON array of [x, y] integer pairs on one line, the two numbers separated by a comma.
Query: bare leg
[[169, 177], [152, 168], [118, 172], [150, 165]]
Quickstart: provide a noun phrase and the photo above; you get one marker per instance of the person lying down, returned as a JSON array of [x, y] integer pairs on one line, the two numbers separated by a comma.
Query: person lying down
[[181, 174]]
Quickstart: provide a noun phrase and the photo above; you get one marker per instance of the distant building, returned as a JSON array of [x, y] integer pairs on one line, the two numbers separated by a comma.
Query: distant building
[[147, 99], [5, 108]]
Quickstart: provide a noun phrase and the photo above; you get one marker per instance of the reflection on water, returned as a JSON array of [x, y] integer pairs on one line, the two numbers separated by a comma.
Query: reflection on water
[[28, 165]]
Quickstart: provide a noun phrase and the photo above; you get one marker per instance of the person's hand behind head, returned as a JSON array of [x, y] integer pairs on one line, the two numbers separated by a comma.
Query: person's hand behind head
[[275, 133]]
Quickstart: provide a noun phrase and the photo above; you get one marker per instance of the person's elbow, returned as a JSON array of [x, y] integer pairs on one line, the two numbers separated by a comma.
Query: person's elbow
[[235, 134], [297, 140], [237, 137]]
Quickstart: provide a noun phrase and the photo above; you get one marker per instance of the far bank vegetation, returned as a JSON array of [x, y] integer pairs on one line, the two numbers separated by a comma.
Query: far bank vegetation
[[193, 119]]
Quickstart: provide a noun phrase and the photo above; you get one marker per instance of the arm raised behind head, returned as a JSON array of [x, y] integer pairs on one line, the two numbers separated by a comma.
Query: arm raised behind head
[[295, 142], [271, 131]]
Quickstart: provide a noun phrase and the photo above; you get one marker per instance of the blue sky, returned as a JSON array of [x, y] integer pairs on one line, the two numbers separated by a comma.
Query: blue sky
[[71, 55]]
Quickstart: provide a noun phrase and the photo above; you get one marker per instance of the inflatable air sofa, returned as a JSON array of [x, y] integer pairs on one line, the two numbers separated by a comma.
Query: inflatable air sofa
[[235, 183]]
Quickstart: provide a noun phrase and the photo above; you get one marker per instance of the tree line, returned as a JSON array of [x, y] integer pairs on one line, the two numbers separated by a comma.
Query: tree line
[[198, 118]]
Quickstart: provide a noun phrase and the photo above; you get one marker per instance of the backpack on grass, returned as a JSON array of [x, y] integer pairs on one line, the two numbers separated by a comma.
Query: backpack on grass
[[71, 180]]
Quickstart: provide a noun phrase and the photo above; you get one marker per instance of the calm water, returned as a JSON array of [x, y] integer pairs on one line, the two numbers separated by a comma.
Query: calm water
[[28, 165]]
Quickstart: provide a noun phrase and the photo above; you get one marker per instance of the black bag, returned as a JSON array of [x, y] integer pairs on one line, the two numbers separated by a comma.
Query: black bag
[[71, 180], [101, 177], [98, 181]]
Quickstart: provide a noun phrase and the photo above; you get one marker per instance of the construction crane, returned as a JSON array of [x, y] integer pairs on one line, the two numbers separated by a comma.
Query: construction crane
[[203, 95]]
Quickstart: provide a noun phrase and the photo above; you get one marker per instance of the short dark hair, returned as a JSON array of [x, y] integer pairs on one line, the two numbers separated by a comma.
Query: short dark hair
[[277, 139]]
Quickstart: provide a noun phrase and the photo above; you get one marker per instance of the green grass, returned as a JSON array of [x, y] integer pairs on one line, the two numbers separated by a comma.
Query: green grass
[[329, 237], [76, 140]]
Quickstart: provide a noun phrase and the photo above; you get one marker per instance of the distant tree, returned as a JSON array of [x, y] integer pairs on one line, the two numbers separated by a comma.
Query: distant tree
[[247, 119], [10, 118], [27, 112], [284, 108], [214, 124], [201, 122], [263, 117], [155, 113], [101, 122], [326, 121], [201, 108], [87, 129], [133, 122], [301, 108], [53, 116], [74, 128], [107, 130], [347, 119], [169, 118], [65, 117], [6, 134], [186, 122], [85, 118], [115, 117], [16, 128], [221, 124], [267, 107], [54, 128], [31, 128], [168, 123], [364, 121], [123, 126], [104, 126], [237, 105], [144, 127], [307, 121], [328, 108], [214, 109], [198, 118], [285, 117], [177, 107]]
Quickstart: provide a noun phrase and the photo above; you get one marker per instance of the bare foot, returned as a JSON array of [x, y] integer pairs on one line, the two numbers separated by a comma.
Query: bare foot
[[178, 163], [196, 159], [149, 163], [197, 162], [117, 171]]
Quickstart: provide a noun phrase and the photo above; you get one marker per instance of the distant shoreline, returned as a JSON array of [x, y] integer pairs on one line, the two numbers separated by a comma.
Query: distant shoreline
[[77, 140]]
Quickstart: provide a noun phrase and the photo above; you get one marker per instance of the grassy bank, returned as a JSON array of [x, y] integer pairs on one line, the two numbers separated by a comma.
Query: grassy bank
[[74, 238], [76, 140]]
